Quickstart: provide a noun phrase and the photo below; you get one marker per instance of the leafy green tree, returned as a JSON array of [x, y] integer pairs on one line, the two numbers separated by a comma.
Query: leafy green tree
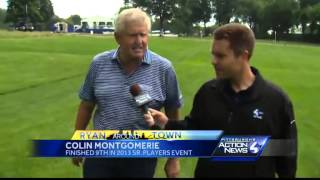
[[281, 15], [251, 12], [315, 19], [3, 13], [127, 5], [307, 14], [161, 9], [201, 11], [74, 19], [181, 22], [223, 10], [38, 12]]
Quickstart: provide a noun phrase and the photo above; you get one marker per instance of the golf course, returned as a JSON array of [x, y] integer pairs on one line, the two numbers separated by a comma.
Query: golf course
[[41, 74]]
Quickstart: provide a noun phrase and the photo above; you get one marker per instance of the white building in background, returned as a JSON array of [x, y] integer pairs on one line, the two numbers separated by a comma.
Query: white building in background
[[61, 27], [98, 23]]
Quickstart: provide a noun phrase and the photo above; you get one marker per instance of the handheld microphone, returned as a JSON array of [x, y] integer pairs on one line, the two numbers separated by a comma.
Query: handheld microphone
[[142, 99]]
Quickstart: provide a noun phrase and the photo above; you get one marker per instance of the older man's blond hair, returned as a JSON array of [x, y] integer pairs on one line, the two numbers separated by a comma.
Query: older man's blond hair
[[129, 16]]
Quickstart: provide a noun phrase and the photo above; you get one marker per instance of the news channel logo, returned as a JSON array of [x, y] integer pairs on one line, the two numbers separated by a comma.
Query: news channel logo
[[240, 148]]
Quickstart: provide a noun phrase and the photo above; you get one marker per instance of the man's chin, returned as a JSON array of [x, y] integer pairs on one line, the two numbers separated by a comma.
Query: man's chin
[[219, 76], [138, 57]]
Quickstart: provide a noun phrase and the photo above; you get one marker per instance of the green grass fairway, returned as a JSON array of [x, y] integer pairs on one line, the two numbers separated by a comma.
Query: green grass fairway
[[41, 73]]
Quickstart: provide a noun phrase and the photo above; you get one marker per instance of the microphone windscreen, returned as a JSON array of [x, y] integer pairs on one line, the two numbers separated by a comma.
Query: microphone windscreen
[[135, 90]]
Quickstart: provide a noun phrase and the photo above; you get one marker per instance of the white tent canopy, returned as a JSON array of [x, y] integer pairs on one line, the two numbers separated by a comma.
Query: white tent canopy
[[98, 22]]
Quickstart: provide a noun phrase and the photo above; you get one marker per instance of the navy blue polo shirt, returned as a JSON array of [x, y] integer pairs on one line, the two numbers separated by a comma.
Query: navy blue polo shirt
[[108, 86]]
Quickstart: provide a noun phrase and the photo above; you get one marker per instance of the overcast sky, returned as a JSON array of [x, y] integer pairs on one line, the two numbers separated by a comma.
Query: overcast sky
[[84, 8]]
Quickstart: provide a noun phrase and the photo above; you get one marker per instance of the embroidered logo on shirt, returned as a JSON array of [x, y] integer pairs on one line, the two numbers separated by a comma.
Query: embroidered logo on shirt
[[292, 122], [257, 114]]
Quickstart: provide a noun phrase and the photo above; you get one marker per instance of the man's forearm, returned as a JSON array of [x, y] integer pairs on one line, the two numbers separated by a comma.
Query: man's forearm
[[173, 115], [84, 115]]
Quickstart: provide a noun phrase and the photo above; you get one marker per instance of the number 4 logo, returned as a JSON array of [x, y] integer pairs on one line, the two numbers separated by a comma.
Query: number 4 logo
[[254, 148]]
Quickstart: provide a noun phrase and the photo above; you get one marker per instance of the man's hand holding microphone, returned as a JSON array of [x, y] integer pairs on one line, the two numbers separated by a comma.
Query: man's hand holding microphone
[[152, 117]]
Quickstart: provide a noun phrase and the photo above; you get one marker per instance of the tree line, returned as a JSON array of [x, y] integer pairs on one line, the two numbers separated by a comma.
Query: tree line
[[187, 17], [280, 16], [39, 13]]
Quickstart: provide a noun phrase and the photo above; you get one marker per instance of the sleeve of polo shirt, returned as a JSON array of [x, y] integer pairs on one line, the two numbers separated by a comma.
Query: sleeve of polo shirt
[[173, 94], [287, 165], [86, 92]]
